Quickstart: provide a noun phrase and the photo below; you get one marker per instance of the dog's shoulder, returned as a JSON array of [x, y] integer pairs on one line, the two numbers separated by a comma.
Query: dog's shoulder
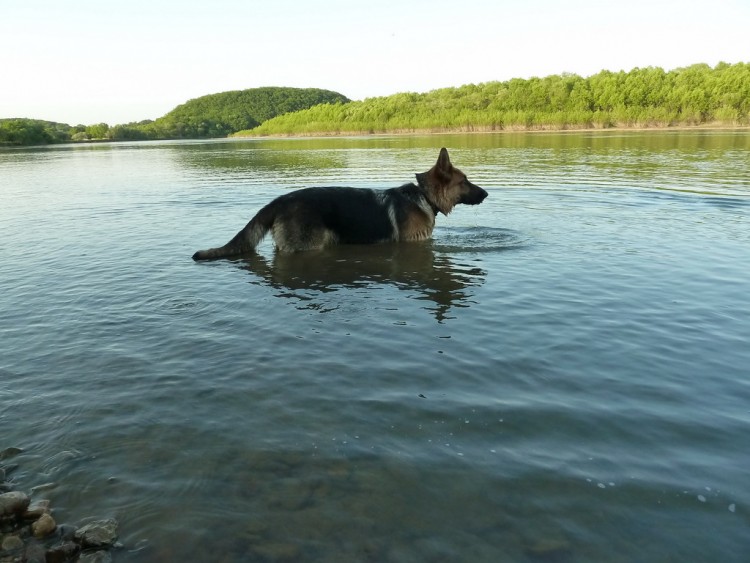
[[407, 191], [411, 195]]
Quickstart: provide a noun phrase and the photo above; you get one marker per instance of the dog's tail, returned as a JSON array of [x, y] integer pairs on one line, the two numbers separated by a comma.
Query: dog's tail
[[246, 240]]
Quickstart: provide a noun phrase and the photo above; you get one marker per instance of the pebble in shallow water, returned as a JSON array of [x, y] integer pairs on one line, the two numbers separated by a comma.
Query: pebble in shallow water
[[44, 526], [29, 533], [13, 503], [102, 533], [11, 543]]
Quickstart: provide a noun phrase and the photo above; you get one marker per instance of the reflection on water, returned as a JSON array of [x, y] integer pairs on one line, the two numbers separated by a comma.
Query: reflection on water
[[703, 162], [442, 271], [309, 277], [248, 158]]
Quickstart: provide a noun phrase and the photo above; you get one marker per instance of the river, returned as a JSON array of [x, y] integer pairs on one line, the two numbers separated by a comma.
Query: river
[[560, 374]]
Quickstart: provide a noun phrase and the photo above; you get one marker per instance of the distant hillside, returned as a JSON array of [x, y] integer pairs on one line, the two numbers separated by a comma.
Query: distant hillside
[[218, 115], [19, 131], [215, 115], [643, 97]]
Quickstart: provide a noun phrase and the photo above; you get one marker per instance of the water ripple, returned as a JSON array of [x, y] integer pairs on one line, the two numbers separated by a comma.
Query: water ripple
[[478, 240]]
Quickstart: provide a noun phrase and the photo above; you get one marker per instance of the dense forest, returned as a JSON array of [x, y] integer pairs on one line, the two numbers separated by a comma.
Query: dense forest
[[32, 132], [643, 97], [215, 115]]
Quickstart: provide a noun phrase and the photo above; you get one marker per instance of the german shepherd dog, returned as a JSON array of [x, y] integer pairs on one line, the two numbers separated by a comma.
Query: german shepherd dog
[[313, 218]]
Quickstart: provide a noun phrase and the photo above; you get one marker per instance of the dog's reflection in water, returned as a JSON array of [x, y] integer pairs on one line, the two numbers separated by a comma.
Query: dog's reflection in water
[[435, 277]]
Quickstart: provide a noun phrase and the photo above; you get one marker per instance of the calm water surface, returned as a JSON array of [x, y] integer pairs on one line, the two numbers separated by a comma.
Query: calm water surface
[[561, 374]]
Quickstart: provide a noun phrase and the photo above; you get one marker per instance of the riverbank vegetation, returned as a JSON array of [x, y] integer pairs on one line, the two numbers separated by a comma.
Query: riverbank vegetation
[[215, 115], [643, 97], [33, 132]]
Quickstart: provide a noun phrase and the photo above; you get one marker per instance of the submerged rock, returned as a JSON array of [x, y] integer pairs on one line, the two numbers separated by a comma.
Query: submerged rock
[[63, 552], [95, 557], [35, 553], [101, 533], [11, 543], [66, 532], [13, 503], [29, 533], [7, 453], [36, 510], [44, 526]]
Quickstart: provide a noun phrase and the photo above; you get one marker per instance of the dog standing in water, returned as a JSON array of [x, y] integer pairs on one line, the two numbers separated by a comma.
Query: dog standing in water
[[313, 218]]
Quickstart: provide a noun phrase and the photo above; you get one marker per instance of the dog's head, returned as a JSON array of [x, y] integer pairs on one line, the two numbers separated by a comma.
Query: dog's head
[[446, 186]]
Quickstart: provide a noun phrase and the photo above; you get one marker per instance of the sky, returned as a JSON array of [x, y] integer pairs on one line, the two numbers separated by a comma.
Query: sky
[[118, 61]]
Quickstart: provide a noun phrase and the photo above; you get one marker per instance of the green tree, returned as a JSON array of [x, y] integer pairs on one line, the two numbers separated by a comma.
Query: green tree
[[98, 131], [644, 96]]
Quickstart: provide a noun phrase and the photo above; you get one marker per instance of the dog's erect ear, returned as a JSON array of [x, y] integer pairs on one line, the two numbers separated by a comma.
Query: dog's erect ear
[[444, 161], [443, 167]]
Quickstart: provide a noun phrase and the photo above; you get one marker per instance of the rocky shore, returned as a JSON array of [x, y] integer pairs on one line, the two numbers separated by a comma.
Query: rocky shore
[[30, 534]]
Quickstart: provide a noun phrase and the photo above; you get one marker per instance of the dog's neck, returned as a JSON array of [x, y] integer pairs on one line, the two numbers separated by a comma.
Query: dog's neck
[[421, 184]]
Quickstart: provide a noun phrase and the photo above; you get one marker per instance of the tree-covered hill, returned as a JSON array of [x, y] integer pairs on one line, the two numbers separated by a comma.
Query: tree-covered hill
[[215, 115], [218, 115], [643, 97]]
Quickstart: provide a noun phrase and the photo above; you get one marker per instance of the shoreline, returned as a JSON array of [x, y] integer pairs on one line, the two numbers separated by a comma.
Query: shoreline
[[714, 126]]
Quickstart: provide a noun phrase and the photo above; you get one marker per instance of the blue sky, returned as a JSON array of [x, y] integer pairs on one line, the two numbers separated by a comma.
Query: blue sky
[[88, 61]]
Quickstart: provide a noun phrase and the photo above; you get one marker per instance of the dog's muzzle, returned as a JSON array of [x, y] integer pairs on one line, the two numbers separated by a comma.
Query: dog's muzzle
[[474, 196]]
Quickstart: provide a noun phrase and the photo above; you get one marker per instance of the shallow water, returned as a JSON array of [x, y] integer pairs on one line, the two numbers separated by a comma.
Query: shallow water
[[561, 374]]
